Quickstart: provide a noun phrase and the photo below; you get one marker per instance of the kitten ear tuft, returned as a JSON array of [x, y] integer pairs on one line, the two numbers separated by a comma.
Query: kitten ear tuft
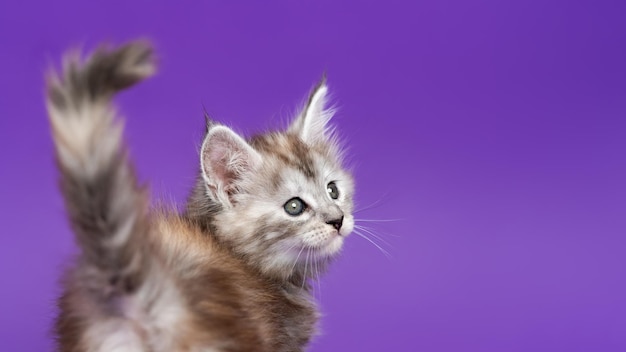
[[312, 123], [208, 121], [225, 159]]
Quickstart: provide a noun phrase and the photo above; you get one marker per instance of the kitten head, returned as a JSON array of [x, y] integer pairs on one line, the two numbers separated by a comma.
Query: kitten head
[[284, 199]]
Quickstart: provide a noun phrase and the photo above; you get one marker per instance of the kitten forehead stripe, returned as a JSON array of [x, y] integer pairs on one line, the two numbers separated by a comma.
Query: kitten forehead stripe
[[290, 150]]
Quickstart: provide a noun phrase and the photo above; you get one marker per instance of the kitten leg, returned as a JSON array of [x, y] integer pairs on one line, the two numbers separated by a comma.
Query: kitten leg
[[106, 206]]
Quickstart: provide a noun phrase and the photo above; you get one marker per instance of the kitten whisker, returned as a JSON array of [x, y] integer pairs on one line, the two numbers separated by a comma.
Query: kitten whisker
[[291, 247], [296, 261], [372, 205], [360, 225], [306, 263], [378, 220], [317, 280], [369, 231], [389, 256]]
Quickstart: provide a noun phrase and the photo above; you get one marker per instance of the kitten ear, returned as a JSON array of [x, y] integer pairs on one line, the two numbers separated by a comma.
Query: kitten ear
[[226, 158], [312, 124]]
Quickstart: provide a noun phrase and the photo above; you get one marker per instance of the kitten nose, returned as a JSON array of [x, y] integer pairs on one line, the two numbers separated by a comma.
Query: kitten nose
[[336, 223]]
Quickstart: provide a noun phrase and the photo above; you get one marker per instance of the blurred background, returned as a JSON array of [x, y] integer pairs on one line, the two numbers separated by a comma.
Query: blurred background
[[491, 135]]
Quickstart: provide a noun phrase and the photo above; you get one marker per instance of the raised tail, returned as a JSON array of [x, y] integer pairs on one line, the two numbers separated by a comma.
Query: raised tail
[[107, 207]]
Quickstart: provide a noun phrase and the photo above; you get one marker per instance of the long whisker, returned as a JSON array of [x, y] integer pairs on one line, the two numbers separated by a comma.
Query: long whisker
[[362, 226], [317, 279], [369, 231], [306, 264], [308, 258], [296, 261], [372, 205], [379, 235], [291, 247], [374, 243], [379, 240], [378, 220]]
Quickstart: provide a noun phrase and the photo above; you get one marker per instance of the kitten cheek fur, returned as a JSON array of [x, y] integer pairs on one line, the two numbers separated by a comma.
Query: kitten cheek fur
[[225, 275]]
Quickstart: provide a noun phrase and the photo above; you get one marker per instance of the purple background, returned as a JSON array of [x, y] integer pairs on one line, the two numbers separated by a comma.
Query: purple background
[[495, 131]]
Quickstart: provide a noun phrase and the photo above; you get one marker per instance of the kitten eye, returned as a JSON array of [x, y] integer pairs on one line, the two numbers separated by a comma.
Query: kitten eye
[[295, 206], [332, 190]]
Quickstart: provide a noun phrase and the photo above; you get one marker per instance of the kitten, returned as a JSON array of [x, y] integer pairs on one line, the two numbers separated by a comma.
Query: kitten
[[231, 273]]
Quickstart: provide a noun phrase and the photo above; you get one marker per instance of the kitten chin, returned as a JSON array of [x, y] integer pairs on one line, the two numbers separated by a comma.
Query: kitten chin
[[231, 272]]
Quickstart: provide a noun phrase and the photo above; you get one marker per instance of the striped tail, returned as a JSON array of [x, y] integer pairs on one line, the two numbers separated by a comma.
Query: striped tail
[[107, 207]]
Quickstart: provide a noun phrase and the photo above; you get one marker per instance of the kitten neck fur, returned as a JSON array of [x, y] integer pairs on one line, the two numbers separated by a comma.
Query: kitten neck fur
[[244, 183]]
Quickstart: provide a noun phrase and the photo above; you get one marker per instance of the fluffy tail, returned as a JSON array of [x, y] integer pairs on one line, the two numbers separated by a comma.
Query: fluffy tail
[[106, 205]]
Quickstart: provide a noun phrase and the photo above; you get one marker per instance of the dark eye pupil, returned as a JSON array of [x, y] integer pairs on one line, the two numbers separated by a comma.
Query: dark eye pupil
[[294, 206], [332, 190]]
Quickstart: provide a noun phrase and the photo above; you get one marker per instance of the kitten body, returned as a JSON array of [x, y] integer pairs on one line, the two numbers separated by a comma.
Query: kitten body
[[230, 273]]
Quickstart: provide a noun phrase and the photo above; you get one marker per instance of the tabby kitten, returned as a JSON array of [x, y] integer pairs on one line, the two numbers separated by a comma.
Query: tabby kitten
[[232, 272]]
